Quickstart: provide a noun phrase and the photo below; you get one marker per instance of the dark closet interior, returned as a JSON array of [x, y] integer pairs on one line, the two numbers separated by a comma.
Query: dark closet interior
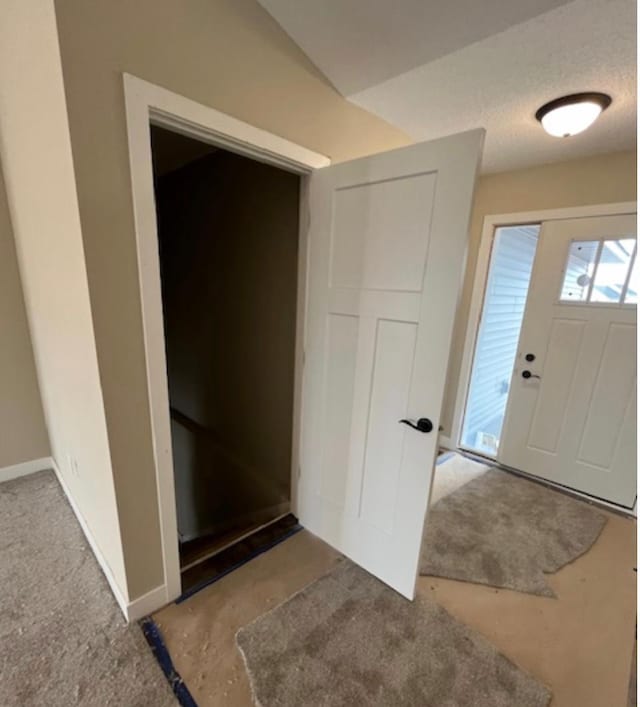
[[228, 242]]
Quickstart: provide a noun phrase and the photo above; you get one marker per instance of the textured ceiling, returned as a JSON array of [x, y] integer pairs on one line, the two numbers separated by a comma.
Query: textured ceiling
[[360, 43], [499, 81]]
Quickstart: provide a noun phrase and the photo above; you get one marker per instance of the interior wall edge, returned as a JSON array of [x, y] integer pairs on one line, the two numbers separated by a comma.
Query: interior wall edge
[[122, 599], [23, 430], [41, 194]]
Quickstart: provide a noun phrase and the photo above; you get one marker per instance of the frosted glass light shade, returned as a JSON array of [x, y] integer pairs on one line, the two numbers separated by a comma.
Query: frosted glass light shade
[[571, 115]]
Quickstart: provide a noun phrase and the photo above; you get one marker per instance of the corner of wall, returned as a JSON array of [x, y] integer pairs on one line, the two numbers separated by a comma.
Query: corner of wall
[[41, 191]]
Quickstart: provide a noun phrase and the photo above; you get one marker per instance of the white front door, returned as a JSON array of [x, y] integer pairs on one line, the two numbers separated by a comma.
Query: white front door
[[571, 415], [387, 241]]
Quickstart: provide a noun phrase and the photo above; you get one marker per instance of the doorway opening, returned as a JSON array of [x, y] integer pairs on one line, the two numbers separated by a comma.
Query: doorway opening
[[228, 240], [510, 267]]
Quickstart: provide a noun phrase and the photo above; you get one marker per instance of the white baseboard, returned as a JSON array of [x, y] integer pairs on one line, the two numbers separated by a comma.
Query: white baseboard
[[446, 443], [147, 603], [132, 610], [123, 602], [16, 470]]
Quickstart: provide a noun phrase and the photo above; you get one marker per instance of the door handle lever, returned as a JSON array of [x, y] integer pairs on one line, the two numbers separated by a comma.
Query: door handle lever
[[424, 424], [527, 374]]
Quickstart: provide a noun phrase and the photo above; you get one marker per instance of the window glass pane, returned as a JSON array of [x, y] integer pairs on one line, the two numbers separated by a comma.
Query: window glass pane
[[634, 283], [611, 273], [512, 255], [579, 271]]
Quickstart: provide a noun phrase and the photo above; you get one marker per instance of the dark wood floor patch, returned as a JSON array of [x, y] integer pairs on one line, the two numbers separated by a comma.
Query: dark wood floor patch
[[214, 568]]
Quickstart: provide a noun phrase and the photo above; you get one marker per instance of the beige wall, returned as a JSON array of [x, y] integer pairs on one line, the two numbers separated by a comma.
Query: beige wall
[[36, 156], [23, 435], [231, 55], [592, 180], [228, 54]]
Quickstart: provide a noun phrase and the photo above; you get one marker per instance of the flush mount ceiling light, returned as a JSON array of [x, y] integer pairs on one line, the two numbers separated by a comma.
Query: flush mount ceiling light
[[571, 115]]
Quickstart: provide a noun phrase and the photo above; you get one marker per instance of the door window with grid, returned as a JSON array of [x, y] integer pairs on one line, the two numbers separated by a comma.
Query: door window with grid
[[601, 272]]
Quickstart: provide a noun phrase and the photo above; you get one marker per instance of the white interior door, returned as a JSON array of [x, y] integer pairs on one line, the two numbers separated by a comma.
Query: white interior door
[[571, 415], [387, 242]]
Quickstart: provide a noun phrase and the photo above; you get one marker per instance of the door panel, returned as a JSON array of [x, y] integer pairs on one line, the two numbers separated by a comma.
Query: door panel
[[379, 234], [387, 238], [615, 380], [394, 347], [342, 342], [554, 388], [575, 424]]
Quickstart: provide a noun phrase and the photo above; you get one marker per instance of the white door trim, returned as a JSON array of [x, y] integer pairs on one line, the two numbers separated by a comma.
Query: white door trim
[[147, 103], [490, 223]]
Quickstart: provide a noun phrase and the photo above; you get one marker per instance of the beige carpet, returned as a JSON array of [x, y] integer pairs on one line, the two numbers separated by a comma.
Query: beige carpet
[[579, 645], [505, 531], [347, 639], [64, 640], [452, 471]]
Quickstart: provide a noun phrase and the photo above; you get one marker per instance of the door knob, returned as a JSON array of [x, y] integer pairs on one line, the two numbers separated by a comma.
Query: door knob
[[527, 374], [424, 424]]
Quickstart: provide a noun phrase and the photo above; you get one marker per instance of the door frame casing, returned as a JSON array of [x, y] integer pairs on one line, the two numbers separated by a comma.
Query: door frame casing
[[146, 104], [490, 223]]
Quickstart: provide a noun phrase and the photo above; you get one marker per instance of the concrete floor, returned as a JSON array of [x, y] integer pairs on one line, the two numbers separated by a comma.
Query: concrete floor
[[580, 644]]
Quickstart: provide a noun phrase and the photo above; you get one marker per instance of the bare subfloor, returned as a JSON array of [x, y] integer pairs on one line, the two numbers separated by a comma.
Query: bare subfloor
[[580, 644]]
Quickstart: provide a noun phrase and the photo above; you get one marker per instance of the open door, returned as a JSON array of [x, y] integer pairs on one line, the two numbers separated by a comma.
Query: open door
[[387, 240]]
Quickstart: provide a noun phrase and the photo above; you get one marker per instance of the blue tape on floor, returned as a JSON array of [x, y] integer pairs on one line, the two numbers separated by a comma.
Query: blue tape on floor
[[258, 551], [154, 639]]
